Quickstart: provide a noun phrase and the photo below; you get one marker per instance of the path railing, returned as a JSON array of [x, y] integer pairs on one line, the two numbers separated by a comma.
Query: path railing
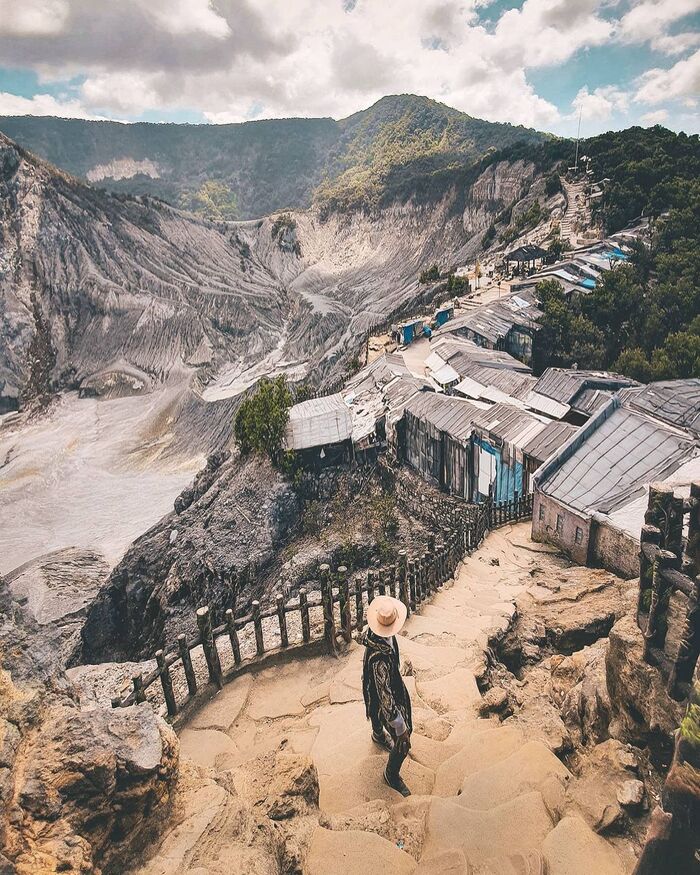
[[309, 621], [670, 563]]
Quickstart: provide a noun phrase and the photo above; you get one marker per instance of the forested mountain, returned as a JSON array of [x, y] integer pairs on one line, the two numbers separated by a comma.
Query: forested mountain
[[643, 318], [252, 169]]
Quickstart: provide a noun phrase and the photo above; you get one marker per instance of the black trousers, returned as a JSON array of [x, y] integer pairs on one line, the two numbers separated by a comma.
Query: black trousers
[[396, 757]]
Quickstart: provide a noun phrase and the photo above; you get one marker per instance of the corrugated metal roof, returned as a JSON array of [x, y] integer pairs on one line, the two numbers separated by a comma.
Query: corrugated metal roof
[[318, 421], [511, 424], [563, 384], [589, 400], [464, 355], [548, 406], [630, 517], [444, 375], [673, 401], [547, 441], [625, 451], [446, 413], [380, 371]]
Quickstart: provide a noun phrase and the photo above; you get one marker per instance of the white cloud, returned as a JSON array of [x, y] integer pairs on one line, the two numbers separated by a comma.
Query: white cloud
[[676, 44], [188, 16], [43, 104], [658, 117], [237, 59], [682, 80], [599, 104], [32, 17], [650, 19]]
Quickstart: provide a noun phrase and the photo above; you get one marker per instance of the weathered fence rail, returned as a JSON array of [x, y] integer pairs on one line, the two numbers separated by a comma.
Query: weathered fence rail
[[413, 580], [670, 563]]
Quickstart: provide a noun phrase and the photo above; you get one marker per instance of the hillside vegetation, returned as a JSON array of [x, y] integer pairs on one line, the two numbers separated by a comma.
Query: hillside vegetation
[[643, 318], [265, 166]]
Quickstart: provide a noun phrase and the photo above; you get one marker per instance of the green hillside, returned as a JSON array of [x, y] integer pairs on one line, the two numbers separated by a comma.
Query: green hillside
[[257, 168]]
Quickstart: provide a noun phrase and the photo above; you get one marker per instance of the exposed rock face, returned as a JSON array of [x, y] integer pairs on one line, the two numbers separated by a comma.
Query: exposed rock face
[[56, 590], [640, 704], [498, 186], [78, 788], [232, 518]]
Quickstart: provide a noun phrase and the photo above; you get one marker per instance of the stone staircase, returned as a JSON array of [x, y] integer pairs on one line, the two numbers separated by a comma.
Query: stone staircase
[[575, 210], [487, 798]]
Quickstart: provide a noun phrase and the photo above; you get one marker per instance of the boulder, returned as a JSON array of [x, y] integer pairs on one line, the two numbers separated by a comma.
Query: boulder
[[640, 705], [78, 787], [572, 848], [606, 778]]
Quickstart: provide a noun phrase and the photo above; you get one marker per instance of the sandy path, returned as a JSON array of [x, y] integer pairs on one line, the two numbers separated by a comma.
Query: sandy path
[[486, 799]]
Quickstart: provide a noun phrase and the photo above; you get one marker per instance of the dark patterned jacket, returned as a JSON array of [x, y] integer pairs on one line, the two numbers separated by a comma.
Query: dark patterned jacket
[[385, 693]]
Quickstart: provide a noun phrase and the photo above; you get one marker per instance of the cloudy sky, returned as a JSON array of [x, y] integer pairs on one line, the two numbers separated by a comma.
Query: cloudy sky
[[532, 62]]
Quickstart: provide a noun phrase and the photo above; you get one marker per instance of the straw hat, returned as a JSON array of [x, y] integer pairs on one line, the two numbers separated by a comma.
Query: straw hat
[[386, 615]]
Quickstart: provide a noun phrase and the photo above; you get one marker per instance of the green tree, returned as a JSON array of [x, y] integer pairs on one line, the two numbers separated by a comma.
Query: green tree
[[634, 363], [431, 275], [552, 184], [678, 358], [262, 418], [213, 199]]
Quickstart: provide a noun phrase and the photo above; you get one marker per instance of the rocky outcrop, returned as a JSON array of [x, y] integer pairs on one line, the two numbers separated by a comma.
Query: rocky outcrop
[[230, 521], [642, 710], [56, 590], [79, 789]]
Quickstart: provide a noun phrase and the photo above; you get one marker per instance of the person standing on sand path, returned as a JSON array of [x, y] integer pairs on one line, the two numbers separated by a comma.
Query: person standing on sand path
[[387, 702]]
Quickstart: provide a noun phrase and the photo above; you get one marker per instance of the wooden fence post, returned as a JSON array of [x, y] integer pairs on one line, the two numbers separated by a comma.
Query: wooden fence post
[[392, 580], [381, 584], [665, 511], [344, 596], [186, 658], [211, 654], [370, 586], [650, 535], [233, 636], [655, 634], [282, 619], [139, 691], [304, 610], [412, 584], [692, 550], [440, 564], [403, 582], [359, 606], [167, 683], [327, 601], [257, 624], [689, 647]]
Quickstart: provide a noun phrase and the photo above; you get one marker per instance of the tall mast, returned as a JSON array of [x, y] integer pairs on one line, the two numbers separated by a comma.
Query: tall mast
[[578, 137]]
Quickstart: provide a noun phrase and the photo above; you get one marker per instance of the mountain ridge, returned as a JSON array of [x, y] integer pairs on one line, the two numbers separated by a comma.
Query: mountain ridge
[[267, 165]]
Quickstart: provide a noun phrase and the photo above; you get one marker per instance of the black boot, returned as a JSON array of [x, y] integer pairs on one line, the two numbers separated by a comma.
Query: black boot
[[396, 782]]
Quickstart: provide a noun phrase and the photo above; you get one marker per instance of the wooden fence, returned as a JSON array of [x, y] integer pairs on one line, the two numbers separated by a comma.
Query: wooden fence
[[340, 607], [670, 563]]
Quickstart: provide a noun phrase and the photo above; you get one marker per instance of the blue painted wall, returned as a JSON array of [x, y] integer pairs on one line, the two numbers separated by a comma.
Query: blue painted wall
[[509, 478]]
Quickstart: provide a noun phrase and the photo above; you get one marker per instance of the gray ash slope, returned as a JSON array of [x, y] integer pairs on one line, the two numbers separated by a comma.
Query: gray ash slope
[[134, 292]]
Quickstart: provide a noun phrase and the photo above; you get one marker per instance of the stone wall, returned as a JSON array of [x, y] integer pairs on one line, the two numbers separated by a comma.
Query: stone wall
[[559, 525], [613, 549]]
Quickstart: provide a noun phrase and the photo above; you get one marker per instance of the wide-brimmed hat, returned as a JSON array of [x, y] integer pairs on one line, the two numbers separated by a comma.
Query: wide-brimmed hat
[[386, 615]]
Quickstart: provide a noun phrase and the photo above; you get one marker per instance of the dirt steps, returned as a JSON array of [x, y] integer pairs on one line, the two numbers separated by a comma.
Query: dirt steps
[[487, 800]]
